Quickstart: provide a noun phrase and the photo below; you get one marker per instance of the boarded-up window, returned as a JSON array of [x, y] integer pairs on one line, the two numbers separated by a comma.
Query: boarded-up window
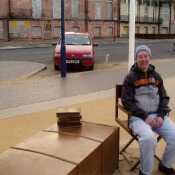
[[97, 31], [137, 29], [109, 9], [57, 9], [75, 8], [76, 29], [56, 31], [110, 31], [97, 9], [146, 29], [36, 32], [36, 8], [154, 30], [125, 29]]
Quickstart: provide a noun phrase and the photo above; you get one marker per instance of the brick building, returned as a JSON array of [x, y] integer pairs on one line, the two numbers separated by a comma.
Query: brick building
[[40, 19], [152, 17]]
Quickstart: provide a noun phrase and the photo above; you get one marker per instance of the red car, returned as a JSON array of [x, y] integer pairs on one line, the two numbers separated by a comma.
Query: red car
[[79, 51]]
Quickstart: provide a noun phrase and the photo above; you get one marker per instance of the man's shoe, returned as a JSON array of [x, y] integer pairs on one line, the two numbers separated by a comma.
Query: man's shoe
[[140, 173], [167, 171]]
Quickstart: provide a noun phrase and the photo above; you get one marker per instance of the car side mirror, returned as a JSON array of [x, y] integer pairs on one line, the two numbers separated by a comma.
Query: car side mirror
[[95, 44]]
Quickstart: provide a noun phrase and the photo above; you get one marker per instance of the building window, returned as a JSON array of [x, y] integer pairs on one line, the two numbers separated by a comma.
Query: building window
[[154, 30], [109, 10], [36, 8], [123, 1], [137, 29], [97, 31], [76, 29], [146, 29], [56, 31], [125, 30], [146, 11], [75, 8], [110, 31], [164, 30], [57, 9], [97, 9]]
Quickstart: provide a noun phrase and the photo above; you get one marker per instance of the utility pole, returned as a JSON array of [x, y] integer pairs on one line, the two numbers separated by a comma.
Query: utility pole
[[131, 33], [63, 49]]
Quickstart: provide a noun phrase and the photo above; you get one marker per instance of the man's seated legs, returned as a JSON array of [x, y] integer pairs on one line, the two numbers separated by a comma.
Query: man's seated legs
[[167, 131], [147, 143]]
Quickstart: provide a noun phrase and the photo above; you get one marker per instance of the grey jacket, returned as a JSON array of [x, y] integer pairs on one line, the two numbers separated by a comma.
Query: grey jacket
[[144, 93]]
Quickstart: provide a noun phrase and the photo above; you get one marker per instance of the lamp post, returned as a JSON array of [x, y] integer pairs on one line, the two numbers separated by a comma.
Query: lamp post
[[131, 33], [63, 49]]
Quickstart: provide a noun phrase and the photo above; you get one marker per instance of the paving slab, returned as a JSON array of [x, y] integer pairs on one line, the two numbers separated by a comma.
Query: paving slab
[[15, 70]]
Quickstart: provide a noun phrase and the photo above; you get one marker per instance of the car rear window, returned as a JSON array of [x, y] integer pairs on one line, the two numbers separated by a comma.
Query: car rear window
[[72, 39]]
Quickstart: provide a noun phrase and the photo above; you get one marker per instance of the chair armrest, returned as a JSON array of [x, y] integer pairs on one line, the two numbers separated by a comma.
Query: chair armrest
[[124, 109]]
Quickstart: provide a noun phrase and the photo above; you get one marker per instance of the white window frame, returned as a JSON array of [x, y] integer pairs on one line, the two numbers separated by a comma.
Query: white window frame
[[97, 9], [75, 6], [110, 9], [36, 8], [56, 9]]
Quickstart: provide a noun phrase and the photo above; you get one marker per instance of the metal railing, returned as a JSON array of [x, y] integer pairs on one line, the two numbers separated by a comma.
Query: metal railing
[[143, 19]]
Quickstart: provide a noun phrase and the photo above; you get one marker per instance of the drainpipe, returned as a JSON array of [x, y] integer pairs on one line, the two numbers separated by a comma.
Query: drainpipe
[[118, 19], [86, 15], [170, 5], [131, 33], [159, 4], [7, 21]]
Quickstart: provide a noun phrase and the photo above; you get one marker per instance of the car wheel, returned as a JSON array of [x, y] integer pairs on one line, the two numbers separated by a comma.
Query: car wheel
[[91, 67], [56, 67]]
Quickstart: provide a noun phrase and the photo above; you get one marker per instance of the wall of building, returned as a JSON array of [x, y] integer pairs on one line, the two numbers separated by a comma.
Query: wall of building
[[24, 21], [47, 9], [20, 9], [4, 12], [27, 23]]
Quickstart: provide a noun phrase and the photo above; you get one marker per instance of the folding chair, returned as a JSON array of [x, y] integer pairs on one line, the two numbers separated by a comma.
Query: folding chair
[[123, 122]]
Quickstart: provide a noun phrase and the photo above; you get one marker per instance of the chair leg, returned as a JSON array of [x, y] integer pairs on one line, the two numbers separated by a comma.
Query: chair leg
[[157, 158], [138, 162], [126, 146], [135, 166]]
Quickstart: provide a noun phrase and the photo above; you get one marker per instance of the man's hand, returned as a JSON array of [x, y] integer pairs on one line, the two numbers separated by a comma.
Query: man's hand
[[159, 122], [150, 121], [155, 122]]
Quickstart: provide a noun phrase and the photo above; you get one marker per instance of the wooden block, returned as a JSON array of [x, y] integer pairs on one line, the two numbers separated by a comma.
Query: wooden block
[[19, 162], [106, 135]]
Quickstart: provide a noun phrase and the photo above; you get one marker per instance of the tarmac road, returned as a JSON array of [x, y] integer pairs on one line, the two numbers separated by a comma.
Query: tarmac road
[[47, 88]]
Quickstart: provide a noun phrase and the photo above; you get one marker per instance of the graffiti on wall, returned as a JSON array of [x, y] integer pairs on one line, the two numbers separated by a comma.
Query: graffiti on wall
[[19, 29], [1, 30]]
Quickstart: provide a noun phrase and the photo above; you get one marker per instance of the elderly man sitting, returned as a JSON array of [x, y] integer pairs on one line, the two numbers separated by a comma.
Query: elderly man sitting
[[145, 97]]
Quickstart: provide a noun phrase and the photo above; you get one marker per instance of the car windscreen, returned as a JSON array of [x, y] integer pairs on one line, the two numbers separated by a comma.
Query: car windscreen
[[77, 40]]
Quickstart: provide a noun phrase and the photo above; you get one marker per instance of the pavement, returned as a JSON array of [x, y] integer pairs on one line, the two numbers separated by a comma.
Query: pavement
[[21, 122]]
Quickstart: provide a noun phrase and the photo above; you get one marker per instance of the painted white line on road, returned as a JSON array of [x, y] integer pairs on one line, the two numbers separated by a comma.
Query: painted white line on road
[[62, 102]]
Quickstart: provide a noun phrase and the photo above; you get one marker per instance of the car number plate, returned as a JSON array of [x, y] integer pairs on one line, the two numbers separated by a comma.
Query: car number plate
[[73, 61]]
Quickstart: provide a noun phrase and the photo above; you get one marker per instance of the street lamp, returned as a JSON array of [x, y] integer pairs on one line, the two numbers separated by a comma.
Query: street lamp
[[63, 49], [131, 33]]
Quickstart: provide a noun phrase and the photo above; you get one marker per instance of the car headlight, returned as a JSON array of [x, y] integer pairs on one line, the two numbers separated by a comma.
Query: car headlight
[[57, 54]]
